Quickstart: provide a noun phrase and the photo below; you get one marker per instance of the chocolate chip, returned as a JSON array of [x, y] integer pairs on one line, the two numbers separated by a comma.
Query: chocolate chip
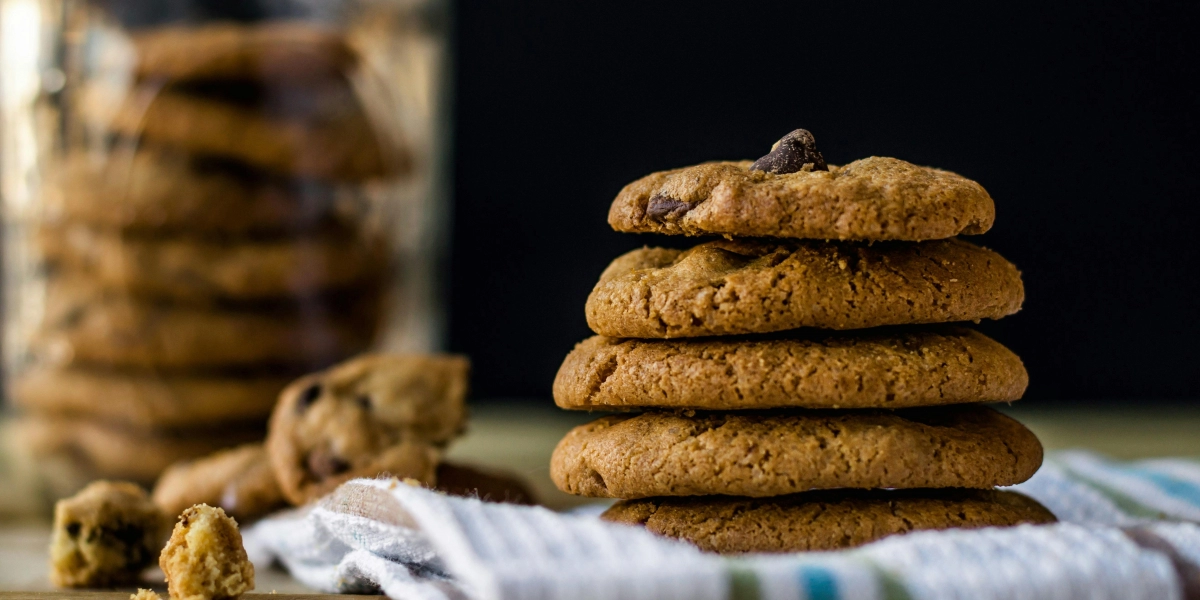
[[325, 464], [308, 397], [73, 529], [662, 207], [364, 401], [791, 153]]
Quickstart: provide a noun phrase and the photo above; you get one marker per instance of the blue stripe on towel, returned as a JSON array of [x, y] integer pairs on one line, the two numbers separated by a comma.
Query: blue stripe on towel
[[818, 583], [1172, 486]]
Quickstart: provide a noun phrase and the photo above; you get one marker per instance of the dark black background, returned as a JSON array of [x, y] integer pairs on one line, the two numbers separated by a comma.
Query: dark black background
[[1078, 118]]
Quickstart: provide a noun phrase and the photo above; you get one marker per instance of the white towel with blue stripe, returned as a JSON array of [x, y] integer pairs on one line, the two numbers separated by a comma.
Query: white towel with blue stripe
[[1126, 531]]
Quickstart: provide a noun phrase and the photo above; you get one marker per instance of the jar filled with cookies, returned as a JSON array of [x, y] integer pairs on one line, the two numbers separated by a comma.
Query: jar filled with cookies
[[202, 202]]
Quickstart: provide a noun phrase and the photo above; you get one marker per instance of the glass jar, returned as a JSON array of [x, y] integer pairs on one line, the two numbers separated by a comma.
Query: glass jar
[[203, 200]]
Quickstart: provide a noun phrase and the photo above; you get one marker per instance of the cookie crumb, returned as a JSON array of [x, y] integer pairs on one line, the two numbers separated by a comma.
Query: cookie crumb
[[105, 535], [145, 594], [205, 559]]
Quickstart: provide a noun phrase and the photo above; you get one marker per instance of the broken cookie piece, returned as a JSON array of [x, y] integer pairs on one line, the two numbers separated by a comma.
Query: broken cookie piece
[[205, 559], [105, 535], [145, 594], [239, 480]]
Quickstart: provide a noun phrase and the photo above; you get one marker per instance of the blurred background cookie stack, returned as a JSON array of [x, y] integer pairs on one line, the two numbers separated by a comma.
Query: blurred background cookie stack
[[797, 385], [213, 231]]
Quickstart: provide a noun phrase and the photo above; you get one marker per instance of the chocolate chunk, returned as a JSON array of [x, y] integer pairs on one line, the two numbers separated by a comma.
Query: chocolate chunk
[[325, 464], [791, 153], [662, 207], [308, 397]]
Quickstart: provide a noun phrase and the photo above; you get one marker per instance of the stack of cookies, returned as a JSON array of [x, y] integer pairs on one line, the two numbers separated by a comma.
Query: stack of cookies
[[798, 384], [211, 239]]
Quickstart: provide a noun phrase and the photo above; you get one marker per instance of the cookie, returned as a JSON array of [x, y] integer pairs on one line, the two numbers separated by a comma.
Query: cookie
[[205, 558], [320, 133], [105, 535], [771, 454], [368, 416], [156, 190], [104, 451], [277, 50], [145, 594], [238, 480], [732, 287], [147, 400], [875, 368], [874, 198], [115, 331], [199, 269], [823, 520], [487, 485]]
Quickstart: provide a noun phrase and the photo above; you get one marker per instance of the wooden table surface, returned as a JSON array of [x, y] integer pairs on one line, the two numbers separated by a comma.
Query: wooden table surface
[[520, 437]]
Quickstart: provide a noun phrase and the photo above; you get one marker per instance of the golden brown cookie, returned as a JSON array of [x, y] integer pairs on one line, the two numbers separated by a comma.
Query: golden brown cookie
[[368, 416], [875, 368], [97, 329], [238, 480], [315, 132], [275, 50], [155, 189], [146, 400], [485, 484], [104, 451], [199, 269], [824, 520], [105, 535], [205, 559], [732, 287], [874, 198], [761, 454]]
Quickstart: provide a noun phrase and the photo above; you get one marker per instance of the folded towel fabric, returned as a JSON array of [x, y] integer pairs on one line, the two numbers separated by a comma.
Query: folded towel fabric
[[1127, 531]]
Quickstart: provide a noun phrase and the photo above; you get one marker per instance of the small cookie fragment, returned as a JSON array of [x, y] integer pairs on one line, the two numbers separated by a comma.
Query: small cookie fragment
[[145, 594], [105, 535], [823, 520], [373, 415], [205, 559], [239, 480]]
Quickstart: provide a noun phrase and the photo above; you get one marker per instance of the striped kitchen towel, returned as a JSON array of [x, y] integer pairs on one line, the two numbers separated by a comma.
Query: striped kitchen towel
[[1127, 531]]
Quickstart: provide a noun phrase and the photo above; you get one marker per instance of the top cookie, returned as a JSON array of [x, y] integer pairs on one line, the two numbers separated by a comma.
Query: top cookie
[[874, 198], [285, 50]]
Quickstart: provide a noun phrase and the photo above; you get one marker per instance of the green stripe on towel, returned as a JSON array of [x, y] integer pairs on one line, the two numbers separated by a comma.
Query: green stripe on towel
[[743, 583]]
